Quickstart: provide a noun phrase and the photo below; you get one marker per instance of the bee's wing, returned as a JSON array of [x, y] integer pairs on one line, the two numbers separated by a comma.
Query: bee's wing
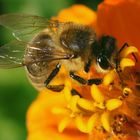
[[12, 54], [25, 26]]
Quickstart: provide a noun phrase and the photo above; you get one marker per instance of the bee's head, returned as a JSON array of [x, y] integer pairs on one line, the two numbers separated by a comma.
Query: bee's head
[[103, 52]]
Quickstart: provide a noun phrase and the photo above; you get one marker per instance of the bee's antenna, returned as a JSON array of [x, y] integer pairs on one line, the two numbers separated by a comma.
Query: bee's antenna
[[121, 49], [117, 68]]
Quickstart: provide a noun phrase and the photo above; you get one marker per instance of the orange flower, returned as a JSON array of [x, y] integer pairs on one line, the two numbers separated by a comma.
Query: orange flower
[[79, 14], [105, 111], [121, 19], [42, 123]]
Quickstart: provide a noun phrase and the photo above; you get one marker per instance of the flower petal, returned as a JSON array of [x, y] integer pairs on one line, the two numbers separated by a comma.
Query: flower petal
[[126, 62], [120, 19], [105, 121], [86, 105], [97, 94], [109, 78], [42, 124], [92, 121], [128, 50], [113, 104], [81, 125], [73, 103], [63, 124]]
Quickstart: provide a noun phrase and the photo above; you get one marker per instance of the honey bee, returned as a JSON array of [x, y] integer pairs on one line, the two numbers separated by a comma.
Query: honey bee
[[42, 46]]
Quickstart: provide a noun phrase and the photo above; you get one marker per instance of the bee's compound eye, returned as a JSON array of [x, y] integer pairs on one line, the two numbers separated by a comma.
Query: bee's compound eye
[[102, 62]]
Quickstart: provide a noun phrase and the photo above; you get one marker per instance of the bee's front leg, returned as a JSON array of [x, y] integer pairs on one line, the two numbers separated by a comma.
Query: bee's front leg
[[87, 66], [56, 88], [83, 81]]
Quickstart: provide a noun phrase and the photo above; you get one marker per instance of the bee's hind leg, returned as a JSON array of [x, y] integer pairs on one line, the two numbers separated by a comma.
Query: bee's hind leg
[[56, 88]]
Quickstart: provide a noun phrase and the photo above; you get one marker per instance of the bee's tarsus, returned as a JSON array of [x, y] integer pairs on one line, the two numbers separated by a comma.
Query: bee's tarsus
[[96, 81], [56, 88], [75, 92]]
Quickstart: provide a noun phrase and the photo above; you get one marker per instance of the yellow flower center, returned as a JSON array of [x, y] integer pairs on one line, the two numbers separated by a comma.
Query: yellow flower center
[[99, 111]]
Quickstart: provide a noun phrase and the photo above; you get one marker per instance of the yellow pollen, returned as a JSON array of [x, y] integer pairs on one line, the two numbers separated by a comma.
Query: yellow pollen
[[126, 62], [63, 124], [105, 120], [68, 83], [97, 94], [127, 91], [92, 122], [86, 105], [109, 78], [67, 93], [113, 104], [73, 103], [80, 123], [128, 50], [99, 105]]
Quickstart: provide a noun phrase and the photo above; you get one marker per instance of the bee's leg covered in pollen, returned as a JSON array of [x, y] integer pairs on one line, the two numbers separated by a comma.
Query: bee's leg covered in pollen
[[56, 88], [96, 81]]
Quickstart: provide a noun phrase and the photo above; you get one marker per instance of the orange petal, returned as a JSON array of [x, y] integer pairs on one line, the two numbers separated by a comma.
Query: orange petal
[[79, 14], [43, 125], [120, 19]]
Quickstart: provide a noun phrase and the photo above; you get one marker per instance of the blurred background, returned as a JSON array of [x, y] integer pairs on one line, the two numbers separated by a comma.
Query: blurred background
[[16, 93]]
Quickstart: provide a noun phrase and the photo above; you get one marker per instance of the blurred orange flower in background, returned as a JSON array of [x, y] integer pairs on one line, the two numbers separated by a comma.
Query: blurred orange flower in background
[[121, 19], [56, 115]]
